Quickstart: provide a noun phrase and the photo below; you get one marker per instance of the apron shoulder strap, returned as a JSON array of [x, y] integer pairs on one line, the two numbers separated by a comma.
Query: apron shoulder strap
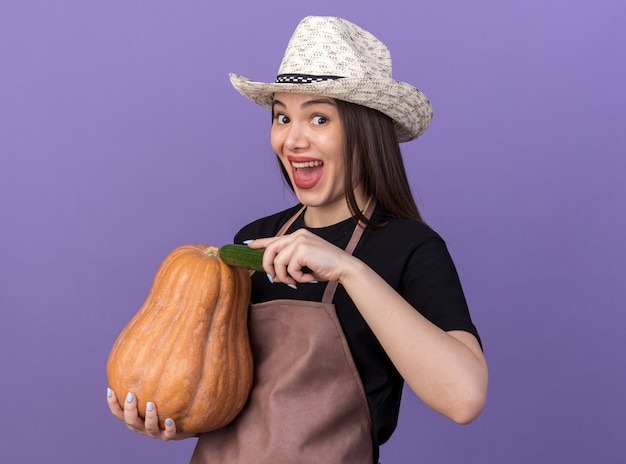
[[291, 220], [331, 287]]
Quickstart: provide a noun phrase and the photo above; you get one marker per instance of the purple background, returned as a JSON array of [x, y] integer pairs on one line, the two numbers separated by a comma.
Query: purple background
[[121, 138]]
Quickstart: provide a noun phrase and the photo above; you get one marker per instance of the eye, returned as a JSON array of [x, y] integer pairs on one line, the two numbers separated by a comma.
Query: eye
[[318, 120], [281, 119]]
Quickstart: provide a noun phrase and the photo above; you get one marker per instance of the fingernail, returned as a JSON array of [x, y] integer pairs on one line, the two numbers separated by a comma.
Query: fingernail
[[169, 421], [269, 277], [129, 397], [245, 242], [150, 407], [292, 286], [109, 392], [313, 282]]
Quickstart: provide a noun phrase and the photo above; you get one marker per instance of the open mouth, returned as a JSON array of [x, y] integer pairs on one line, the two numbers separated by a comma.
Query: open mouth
[[306, 174]]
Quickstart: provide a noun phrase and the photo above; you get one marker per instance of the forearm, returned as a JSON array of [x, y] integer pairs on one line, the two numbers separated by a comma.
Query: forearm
[[445, 369]]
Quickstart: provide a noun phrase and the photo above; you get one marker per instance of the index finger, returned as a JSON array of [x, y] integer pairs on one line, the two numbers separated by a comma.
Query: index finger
[[260, 242]]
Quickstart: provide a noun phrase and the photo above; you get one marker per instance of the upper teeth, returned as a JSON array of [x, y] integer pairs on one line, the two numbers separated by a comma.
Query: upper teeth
[[306, 164]]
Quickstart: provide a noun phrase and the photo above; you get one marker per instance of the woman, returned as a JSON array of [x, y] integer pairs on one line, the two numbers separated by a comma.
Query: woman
[[359, 294]]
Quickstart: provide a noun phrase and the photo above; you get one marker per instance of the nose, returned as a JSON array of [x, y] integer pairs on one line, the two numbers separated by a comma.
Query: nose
[[296, 138]]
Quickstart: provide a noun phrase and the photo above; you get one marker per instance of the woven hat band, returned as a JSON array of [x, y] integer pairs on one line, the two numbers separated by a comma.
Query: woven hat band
[[303, 78]]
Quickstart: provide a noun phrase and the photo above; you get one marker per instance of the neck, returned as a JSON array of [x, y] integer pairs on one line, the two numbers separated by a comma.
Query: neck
[[329, 214]]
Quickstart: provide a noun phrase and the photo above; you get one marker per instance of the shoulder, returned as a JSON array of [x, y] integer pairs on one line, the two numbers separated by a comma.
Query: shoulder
[[267, 226], [403, 233], [405, 248]]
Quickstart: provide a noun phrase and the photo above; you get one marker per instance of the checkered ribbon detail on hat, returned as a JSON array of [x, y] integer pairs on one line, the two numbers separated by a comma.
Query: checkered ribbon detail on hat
[[303, 78]]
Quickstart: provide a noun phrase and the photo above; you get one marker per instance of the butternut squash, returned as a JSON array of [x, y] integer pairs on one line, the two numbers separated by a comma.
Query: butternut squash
[[187, 349]]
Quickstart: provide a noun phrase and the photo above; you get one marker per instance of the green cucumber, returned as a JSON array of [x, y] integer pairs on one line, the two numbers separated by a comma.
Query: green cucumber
[[242, 256]]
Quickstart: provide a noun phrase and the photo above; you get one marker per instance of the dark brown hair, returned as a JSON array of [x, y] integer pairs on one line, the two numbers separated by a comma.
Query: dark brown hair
[[373, 157]]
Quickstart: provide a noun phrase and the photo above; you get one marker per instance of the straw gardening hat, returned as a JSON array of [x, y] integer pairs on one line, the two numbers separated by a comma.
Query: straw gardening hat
[[335, 58]]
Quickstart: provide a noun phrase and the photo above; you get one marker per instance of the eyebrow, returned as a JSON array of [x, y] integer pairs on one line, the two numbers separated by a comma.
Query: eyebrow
[[315, 101]]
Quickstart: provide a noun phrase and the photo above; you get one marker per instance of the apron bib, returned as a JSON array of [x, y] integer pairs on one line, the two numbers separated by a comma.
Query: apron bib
[[307, 404]]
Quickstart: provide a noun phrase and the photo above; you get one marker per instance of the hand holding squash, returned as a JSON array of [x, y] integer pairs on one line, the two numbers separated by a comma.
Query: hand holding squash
[[148, 426]]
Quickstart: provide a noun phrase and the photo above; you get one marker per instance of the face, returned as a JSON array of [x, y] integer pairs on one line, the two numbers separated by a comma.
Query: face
[[307, 136]]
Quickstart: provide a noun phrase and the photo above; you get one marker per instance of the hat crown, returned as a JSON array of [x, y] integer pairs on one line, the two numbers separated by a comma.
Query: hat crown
[[329, 46], [335, 58]]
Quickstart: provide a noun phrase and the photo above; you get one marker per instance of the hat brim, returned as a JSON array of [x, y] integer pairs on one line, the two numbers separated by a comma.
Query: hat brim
[[408, 107]]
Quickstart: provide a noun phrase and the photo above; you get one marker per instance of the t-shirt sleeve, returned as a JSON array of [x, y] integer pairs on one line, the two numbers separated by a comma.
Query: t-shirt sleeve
[[431, 284], [246, 233]]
